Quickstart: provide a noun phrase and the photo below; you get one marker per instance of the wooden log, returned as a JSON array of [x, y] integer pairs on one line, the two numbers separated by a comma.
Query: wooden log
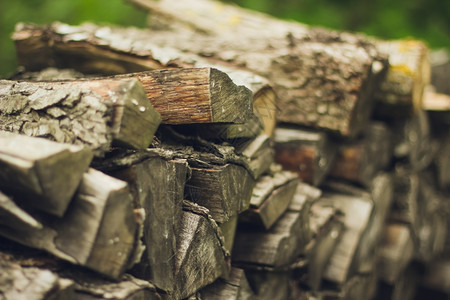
[[96, 113], [437, 106], [234, 288], [201, 257], [277, 247], [270, 198], [361, 160], [260, 153], [14, 216], [289, 54], [104, 50], [401, 92], [403, 288], [442, 164], [157, 185], [224, 189], [308, 153], [357, 210], [228, 230], [269, 285], [98, 230], [28, 282], [41, 174]]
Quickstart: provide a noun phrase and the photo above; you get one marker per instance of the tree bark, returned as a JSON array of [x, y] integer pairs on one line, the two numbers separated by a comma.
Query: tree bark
[[41, 174], [270, 198], [308, 153], [98, 230], [96, 113]]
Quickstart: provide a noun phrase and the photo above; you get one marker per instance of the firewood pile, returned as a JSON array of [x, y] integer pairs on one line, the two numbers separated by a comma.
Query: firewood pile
[[222, 154]]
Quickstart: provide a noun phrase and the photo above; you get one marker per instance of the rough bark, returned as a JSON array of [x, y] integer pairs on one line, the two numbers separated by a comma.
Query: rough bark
[[41, 174], [235, 288], [98, 230], [308, 153], [271, 197], [157, 186], [96, 113], [201, 257], [401, 92], [109, 50], [300, 61], [361, 160]]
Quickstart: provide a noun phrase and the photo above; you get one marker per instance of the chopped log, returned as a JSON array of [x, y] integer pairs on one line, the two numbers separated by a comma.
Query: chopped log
[[41, 174], [128, 288], [357, 210], [157, 185], [403, 288], [414, 144], [270, 198], [27, 282], [234, 288], [277, 248], [396, 251], [228, 230], [108, 50], [260, 153], [401, 92], [358, 287], [269, 285], [98, 230], [224, 189], [326, 229], [201, 257], [308, 153], [13, 216], [95, 113], [442, 164], [361, 160], [438, 107], [299, 60]]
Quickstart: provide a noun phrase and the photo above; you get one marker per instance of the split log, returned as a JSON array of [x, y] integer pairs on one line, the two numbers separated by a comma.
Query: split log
[[98, 113], [358, 287], [26, 282], [224, 189], [437, 106], [357, 210], [270, 198], [277, 248], [128, 288], [98, 230], [270, 285], [361, 160], [109, 50], [403, 288], [157, 185], [300, 61], [228, 230], [442, 164], [41, 174], [401, 92], [235, 288], [201, 257], [308, 153], [440, 66], [14, 216], [260, 153]]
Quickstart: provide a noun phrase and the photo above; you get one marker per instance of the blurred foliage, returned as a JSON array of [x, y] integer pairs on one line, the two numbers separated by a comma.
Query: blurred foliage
[[428, 20]]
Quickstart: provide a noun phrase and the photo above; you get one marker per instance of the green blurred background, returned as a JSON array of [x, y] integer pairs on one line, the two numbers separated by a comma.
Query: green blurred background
[[428, 20]]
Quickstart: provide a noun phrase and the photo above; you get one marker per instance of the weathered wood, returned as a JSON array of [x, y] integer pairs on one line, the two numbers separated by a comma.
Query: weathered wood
[[95, 113], [201, 257], [157, 185], [224, 189], [308, 153], [14, 216], [270, 285], [228, 231], [442, 163], [297, 59], [361, 160], [108, 50], [438, 107], [28, 282], [401, 92], [41, 174], [276, 247], [234, 288], [403, 288], [98, 230], [271, 197], [260, 153], [128, 288], [396, 251], [440, 66], [357, 210]]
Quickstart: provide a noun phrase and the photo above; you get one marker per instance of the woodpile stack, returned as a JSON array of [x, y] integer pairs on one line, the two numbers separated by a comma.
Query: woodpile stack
[[220, 154]]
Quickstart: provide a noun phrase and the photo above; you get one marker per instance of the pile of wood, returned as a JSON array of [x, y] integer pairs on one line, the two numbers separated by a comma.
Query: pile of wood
[[219, 154]]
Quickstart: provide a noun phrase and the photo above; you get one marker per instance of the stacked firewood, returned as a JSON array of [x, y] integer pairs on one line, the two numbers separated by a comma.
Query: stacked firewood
[[219, 154]]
